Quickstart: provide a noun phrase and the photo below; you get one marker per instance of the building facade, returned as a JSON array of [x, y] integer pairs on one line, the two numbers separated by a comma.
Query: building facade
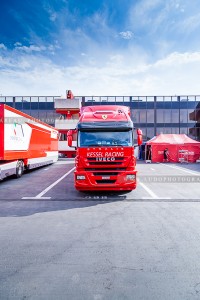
[[153, 114]]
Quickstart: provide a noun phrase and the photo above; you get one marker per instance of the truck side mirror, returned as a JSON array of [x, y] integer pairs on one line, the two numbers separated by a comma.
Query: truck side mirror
[[139, 137], [69, 138]]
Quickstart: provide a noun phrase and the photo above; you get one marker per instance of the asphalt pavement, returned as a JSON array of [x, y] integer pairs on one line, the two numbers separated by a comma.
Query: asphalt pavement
[[57, 243]]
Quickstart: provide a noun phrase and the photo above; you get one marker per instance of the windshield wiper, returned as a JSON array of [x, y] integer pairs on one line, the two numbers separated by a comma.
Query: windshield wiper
[[93, 145], [110, 145], [106, 145], [119, 145]]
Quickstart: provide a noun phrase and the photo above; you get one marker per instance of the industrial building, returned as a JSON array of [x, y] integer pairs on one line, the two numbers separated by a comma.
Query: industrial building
[[153, 114]]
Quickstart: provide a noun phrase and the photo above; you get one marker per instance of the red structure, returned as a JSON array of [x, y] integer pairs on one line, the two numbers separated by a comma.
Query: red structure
[[181, 148], [68, 110], [105, 151]]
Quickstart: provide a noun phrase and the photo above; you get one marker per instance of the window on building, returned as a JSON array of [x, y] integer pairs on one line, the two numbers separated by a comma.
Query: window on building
[[167, 116], [183, 116], [150, 133], [51, 116], [175, 116], [2, 99], [159, 130], [135, 115], [43, 115], [111, 99], [150, 99], [160, 115], [34, 113], [9, 99], [167, 130], [42, 99], [119, 99], [50, 99], [150, 116], [175, 130], [184, 130], [143, 117], [144, 133]]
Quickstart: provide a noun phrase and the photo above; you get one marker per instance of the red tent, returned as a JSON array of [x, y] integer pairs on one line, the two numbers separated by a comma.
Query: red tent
[[180, 147]]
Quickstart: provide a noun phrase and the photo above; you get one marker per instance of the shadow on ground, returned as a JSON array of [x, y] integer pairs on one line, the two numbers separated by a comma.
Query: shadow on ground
[[22, 208]]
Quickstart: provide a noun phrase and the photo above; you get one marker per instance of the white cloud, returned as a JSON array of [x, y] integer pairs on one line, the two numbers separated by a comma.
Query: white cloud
[[53, 17], [17, 44], [127, 35], [31, 48], [189, 24], [172, 16], [3, 47], [37, 49], [176, 58], [119, 75]]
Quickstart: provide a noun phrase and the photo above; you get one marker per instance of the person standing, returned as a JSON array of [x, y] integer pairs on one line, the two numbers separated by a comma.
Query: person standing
[[148, 153], [166, 155]]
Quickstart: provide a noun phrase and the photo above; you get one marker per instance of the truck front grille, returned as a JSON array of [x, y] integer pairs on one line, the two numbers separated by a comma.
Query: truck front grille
[[104, 169], [105, 163], [95, 159], [104, 181], [105, 173]]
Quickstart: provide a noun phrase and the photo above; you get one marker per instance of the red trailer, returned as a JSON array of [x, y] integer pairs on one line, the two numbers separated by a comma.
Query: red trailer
[[25, 142]]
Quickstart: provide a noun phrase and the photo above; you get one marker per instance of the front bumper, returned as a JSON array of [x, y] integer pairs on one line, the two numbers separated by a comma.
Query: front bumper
[[105, 182]]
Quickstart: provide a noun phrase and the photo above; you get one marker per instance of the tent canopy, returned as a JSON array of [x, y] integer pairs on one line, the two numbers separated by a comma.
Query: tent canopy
[[172, 139], [180, 148]]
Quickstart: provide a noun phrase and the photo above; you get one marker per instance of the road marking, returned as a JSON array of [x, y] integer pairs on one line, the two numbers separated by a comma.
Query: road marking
[[152, 169], [181, 169], [159, 198], [39, 196], [151, 193], [36, 198]]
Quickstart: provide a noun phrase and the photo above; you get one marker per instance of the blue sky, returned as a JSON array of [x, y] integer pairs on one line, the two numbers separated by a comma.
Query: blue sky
[[142, 47]]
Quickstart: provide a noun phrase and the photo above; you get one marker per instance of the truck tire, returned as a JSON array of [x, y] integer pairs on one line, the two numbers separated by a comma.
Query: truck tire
[[19, 169]]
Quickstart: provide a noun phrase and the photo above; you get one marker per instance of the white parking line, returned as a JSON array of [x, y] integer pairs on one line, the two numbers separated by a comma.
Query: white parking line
[[181, 169], [151, 193], [39, 196]]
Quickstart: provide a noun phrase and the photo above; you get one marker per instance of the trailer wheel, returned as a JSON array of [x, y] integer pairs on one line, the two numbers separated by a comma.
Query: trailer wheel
[[19, 169]]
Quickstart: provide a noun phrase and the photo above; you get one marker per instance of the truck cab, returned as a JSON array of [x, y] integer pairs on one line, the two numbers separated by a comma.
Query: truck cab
[[105, 157]]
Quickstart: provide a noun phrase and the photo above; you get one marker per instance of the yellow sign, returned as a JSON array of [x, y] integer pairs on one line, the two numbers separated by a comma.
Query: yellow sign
[[104, 117]]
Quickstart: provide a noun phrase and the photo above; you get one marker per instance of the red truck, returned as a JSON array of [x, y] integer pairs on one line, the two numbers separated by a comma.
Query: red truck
[[105, 149], [25, 143]]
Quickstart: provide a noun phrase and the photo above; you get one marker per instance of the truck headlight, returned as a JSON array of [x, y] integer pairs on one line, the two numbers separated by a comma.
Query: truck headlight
[[130, 177], [80, 177]]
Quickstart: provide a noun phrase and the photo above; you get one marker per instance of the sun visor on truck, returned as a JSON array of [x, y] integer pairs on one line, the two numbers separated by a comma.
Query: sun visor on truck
[[94, 126]]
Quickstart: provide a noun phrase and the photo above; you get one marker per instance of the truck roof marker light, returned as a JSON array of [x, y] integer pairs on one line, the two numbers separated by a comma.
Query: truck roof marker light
[[103, 112]]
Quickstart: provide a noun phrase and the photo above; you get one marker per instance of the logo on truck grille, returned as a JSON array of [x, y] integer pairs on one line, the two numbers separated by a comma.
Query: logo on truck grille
[[105, 158]]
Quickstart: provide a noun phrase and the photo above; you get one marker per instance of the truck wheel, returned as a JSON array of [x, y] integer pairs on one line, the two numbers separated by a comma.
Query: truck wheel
[[19, 169]]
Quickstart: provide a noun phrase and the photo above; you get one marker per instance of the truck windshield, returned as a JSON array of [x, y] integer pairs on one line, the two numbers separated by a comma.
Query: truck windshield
[[108, 138]]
